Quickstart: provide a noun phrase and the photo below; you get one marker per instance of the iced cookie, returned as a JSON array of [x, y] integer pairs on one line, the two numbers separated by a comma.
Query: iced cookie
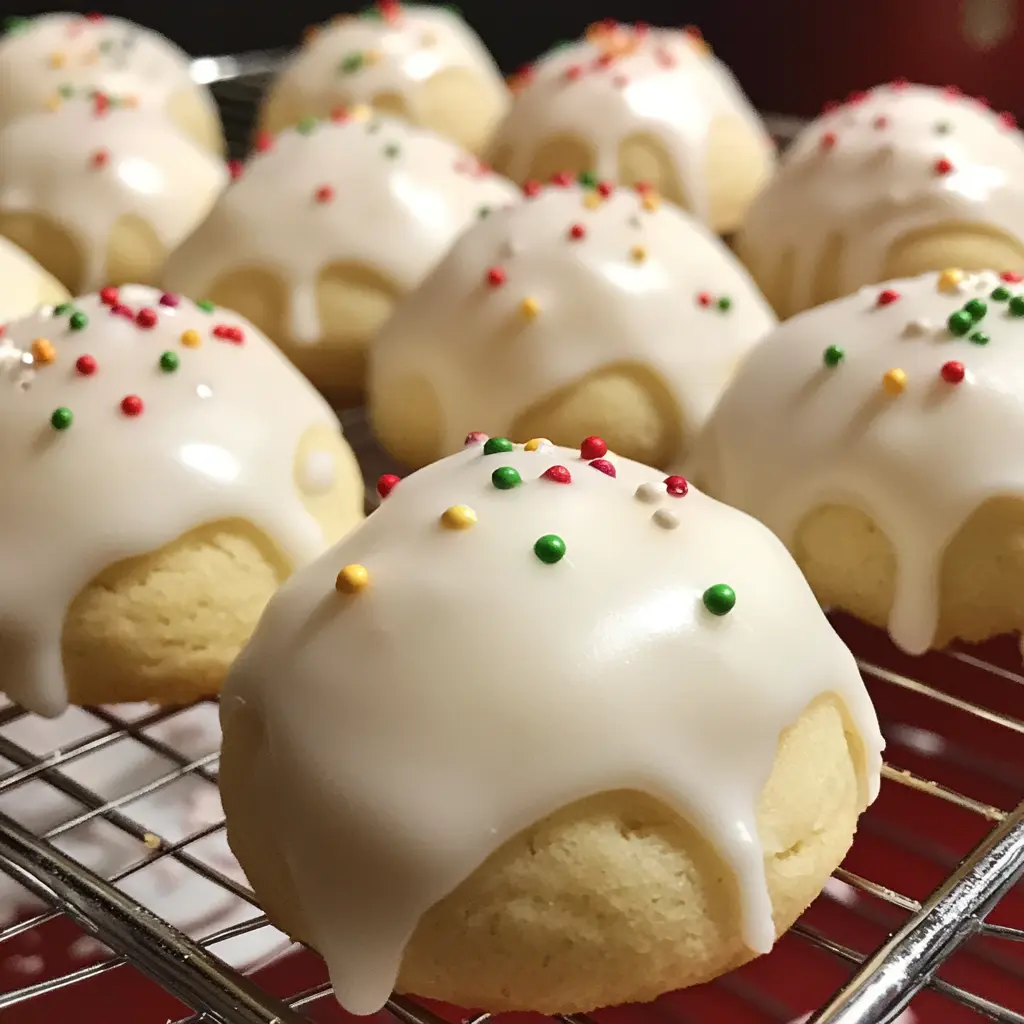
[[163, 468], [24, 285], [548, 732]]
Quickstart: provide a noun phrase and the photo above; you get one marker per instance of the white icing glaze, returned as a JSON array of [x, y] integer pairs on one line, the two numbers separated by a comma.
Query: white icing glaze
[[791, 433], [868, 173], [602, 301], [359, 57], [24, 284], [621, 80], [398, 196], [216, 439], [576, 663], [58, 54], [84, 167]]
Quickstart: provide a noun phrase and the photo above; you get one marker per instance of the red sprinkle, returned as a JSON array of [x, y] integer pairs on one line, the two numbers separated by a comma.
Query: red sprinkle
[[828, 140], [170, 299], [705, 298], [100, 158], [387, 483], [475, 437], [1012, 276], [235, 169], [888, 297], [108, 296], [953, 91], [593, 448], [85, 365], [264, 141], [881, 121], [1007, 119], [603, 466], [605, 189], [605, 60], [495, 277], [620, 81], [131, 405], [324, 194], [339, 115], [856, 98], [563, 179], [100, 104], [899, 83], [577, 231], [677, 486], [828, 106], [573, 72], [953, 372], [532, 188], [146, 318], [225, 332], [120, 310], [559, 475], [943, 166]]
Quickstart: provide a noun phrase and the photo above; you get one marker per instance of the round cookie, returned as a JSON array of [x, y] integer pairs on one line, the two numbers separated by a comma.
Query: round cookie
[[163, 469], [326, 227], [418, 62], [54, 57], [24, 285], [582, 310], [892, 183], [100, 194], [554, 819], [878, 435], [636, 105]]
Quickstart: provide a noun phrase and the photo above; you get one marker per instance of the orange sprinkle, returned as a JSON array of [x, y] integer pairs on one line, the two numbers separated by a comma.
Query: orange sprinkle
[[43, 351], [650, 200], [639, 253], [58, 60]]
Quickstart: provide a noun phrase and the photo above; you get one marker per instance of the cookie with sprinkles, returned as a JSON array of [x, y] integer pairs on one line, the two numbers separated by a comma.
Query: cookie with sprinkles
[[419, 62], [24, 284], [54, 57], [639, 104], [164, 469], [99, 193], [879, 436], [327, 226], [609, 691], [890, 183], [584, 309]]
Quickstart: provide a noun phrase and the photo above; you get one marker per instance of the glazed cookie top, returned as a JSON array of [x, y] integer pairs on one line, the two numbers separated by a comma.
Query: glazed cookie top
[[128, 419], [59, 56], [623, 79], [24, 284], [903, 400], [565, 588], [577, 277], [885, 163], [88, 163], [358, 188]]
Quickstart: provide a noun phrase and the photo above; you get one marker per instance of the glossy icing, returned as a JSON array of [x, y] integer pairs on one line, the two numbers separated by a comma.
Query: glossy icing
[[882, 165], [792, 433], [642, 284], [24, 285], [359, 188], [59, 55], [623, 79], [217, 438], [575, 662], [84, 166]]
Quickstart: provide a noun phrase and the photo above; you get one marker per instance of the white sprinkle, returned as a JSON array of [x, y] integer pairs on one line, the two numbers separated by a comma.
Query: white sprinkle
[[915, 328], [85, 947], [204, 391], [649, 494], [665, 519], [28, 965], [318, 476]]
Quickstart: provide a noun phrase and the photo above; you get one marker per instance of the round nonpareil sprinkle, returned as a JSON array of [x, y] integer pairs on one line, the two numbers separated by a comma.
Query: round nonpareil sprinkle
[[109, 296], [475, 437], [458, 517], [719, 599], [535, 443], [131, 405], [557, 474], [979, 338], [529, 307], [85, 365], [677, 486], [387, 483], [960, 323], [505, 478], [649, 494], [495, 277], [976, 308], [550, 548], [191, 339], [78, 321], [497, 446], [1000, 294], [887, 297], [43, 352], [352, 579], [950, 280], [603, 466], [833, 355], [953, 372], [666, 519], [169, 362], [61, 418], [1016, 305], [895, 382], [593, 448], [170, 300], [146, 318]]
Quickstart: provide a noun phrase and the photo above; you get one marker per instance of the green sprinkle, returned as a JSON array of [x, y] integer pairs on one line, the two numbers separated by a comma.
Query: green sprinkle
[[725, 303], [550, 549], [1000, 294], [976, 308], [62, 418], [943, 128], [106, 46], [484, 212], [1017, 305], [392, 150], [63, 309], [66, 91], [833, 355], [588, 179], [169, 362], [78, 322], [960, 323], [497, 446], [15, 23], [720, 599], [206, 306], [506, 478], [979, 338], [306, 126], [454, 9], [352, 63]]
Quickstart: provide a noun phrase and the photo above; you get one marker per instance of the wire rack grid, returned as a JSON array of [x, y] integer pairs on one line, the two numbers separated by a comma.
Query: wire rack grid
[[924, 910]]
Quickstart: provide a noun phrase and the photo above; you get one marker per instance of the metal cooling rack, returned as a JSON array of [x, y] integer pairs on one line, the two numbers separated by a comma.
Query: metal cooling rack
[[927, 934]]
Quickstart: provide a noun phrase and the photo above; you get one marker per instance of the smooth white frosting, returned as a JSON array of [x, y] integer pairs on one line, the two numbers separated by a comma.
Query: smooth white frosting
[[398, 198], [470, 690], [629, 291], [618, 81], [59, 54], [84, 167], [869, 173], [792, 433], [392, 49], [24, 285], [216, 439]]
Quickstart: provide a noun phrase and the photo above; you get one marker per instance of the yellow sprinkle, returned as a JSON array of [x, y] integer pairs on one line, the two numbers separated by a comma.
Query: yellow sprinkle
[[130, 101], [43, 351], [154, 842], [53, 103], [58, 60], [191, 339], [895, 382], [458, 517], [360, 112], [651, 201], [950, 279], [534, 443], [639, 253], [352, 579], [530, 307], [372, 57], [592, 200]]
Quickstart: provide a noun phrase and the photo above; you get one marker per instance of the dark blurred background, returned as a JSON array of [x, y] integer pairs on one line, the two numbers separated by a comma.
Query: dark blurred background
[[790, 55]]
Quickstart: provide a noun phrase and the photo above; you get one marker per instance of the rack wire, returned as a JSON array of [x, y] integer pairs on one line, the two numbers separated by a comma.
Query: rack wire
[[949, 934]]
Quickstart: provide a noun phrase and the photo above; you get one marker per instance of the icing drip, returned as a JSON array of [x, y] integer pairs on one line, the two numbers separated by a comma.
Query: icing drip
[[85, 165], [359, 189], [559, 616], [144, 418], [608, 277], [872, 171], [898, 424], [621, 80]]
